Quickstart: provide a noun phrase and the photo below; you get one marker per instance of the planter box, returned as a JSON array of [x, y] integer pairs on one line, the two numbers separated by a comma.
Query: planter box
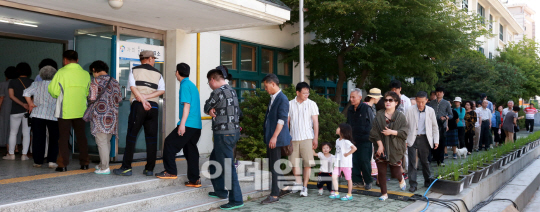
[[448, 187], [468, 179], [519, 152], [489, 168], [498, 164], [504, 159], [479, 174]]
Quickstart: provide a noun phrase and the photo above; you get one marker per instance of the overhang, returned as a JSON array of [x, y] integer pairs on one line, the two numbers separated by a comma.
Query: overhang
[[188, 15]]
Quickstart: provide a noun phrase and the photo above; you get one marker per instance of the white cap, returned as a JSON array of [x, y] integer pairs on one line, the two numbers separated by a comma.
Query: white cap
[[458, 99]]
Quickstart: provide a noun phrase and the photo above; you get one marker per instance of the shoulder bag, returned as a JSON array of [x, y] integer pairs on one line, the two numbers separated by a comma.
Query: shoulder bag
[[90, 109]]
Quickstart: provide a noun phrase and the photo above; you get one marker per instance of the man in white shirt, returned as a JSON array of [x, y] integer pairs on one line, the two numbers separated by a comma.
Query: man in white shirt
[[477, 126], [304, 128], [423, 135], [485, 134]]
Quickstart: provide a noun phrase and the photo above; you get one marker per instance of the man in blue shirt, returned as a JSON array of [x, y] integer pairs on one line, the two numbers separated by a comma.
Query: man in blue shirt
[[187, 133]]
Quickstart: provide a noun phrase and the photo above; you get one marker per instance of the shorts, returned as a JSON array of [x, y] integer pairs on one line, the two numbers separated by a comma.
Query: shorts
[[347, 171], [302, 150]]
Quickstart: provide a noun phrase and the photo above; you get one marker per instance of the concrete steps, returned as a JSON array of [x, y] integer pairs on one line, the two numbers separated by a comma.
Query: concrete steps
[[150, 195]]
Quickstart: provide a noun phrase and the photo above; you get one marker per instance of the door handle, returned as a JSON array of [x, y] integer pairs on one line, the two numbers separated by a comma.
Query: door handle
[[125, 92]]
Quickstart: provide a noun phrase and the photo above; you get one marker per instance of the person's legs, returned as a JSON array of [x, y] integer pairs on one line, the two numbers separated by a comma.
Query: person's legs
[[103, 142], [476, 138], [382, 168], [294, 158], [39, 140], [469, 141], [365, 161], [423, 152], [38, 148], [64, 126], [273, 157], [151, 124], [335, 179], [235, 192], [15, 123], [532, 125], [413, 164], [80, 134], [306, 153], [496, 135], [511, 136], [52, 150], [396, 173], [356, 170], [191, 152], [173, 144], [135, 121], [442, 145], [26, 135], [218, 156], [461, 137]]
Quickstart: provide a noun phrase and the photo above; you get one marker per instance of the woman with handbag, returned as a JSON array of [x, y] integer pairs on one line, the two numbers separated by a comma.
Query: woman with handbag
[[19, 111], [42, 115], [510, 123], [102, 111], [388, 136]]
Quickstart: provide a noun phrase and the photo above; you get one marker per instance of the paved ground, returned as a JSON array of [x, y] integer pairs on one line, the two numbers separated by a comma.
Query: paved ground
[[534, 204]]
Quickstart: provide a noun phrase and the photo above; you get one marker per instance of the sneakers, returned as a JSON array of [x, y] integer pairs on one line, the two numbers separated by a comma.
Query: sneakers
[[97, 167], [194, 184], [296, 187], [383, 197], [9, 157], [53, 165], [229, 206], [454, 156], [321, 191], [304, 192], [166, 175], [148, 173], [36, 165], [25, 157], [445, 156], [346, 198], [123, 172], [403, 185], [405, 176], [357, 185], [100, 171], [368, 186], [214, 195], [334, 196]]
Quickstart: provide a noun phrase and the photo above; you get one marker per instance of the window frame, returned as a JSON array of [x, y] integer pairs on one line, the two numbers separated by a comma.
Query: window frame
[[326, 83], [501, 32]]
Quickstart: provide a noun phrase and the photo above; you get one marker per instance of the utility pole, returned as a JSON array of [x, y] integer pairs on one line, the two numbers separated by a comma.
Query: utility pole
[[301, 40]]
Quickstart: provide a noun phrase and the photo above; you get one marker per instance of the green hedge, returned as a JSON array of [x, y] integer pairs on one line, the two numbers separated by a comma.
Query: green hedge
[[251, 144]]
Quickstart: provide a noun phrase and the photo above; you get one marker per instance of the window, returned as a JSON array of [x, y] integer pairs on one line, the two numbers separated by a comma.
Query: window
[[481, 12], [327, 88], [267, 61], [228, 55], [480, 49], [249, 63], [490, 55], [490, 22], [248, 58], [501, 34], [283, 68], [465, 5]]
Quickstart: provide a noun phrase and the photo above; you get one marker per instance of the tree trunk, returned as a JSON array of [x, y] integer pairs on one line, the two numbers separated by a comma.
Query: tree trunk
[[362, 80], [341, 79]]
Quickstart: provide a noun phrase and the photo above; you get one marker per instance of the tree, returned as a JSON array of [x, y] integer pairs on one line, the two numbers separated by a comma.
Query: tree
[[473, 74], [524, 55], [377, 39]]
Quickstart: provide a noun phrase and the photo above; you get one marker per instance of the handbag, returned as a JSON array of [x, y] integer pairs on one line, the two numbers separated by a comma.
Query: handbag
[[90, 109], [287, 150], [26, 114], [516, 128]]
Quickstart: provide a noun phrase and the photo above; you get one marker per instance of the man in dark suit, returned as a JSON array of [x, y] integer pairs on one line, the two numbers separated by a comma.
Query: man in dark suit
[[276, 132]]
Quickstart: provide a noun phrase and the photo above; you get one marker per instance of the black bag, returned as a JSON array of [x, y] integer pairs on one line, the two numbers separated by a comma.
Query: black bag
[[516, 128]]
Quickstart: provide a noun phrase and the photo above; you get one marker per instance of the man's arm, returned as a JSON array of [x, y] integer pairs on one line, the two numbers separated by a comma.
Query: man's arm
[[54, 86], [212, 101], [185, 114], [315, 119], [449, 111], [282, 113], [435, 129]]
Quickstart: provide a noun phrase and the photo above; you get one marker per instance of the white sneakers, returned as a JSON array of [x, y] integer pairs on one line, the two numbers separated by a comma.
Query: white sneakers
[[296, 187], [24, 157], [9, 157], [321, 192], [53, 165], [99, 171], [304, 192]]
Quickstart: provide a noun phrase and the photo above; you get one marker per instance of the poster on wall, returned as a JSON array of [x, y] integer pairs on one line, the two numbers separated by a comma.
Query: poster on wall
[[130, 51]]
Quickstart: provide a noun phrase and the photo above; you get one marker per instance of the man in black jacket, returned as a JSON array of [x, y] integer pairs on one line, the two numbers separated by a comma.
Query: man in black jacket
[[360, 117]]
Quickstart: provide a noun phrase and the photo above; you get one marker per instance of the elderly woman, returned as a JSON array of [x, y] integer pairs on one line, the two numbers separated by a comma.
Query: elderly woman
[[105, 93], [42, 114], [388, 135], [509, 123]]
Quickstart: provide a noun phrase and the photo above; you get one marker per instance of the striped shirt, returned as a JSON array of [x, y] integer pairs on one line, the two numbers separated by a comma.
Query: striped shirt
[[301, 122], [45, 103]]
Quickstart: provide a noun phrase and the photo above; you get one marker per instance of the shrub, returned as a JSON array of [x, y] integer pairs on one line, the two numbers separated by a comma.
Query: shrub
[[251, 144]]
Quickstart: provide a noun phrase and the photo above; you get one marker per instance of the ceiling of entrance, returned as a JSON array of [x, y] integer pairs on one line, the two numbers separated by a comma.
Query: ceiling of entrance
[[48, 26], [188, 15]]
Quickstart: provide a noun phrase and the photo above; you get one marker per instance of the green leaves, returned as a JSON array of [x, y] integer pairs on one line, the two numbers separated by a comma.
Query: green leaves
[[524, 56]]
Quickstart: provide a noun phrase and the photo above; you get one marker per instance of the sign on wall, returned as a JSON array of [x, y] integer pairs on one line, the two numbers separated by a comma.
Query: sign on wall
[[130, 51]]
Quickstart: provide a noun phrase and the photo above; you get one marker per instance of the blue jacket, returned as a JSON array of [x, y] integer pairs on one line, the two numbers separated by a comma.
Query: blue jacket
[[279, 110], [496, 119]]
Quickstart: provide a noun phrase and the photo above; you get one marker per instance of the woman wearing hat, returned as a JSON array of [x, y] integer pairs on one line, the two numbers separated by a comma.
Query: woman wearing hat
[[461, 123]]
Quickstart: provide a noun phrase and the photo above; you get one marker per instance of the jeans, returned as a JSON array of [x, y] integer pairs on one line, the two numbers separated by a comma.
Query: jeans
[[223, 155], [40, 127], [174, 143], [138, 117], [419, 149]]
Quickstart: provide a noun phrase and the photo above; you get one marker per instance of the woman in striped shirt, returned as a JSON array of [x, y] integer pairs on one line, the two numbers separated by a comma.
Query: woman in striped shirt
[[42, 114]]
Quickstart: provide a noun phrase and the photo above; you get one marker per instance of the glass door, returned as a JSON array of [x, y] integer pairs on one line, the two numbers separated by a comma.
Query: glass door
[[91, 45], [122, 74]]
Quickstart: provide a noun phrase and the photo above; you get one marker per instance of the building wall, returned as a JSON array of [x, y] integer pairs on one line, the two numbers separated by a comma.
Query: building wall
[[525, 19]]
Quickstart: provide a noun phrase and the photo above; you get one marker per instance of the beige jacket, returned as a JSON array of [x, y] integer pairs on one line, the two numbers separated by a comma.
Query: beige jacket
[[432, 129]]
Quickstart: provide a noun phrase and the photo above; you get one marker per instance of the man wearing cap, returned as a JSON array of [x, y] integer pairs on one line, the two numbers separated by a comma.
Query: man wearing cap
[[461, 123], [360, 117], [423, 135], [187, 133], [443, 110], [146, 84], [304, 128]]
